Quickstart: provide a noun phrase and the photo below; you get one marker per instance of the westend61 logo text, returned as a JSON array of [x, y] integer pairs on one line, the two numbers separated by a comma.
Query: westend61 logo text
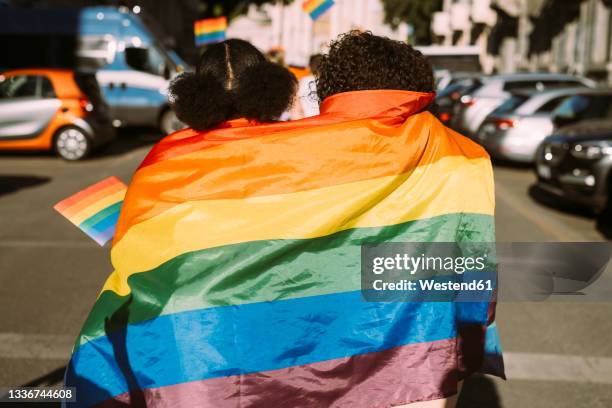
[[428, 271], [413, 264]]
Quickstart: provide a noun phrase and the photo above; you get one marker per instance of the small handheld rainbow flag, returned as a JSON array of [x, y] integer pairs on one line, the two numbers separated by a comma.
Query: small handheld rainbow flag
[[95, 210], [316, 8], [210, 30]]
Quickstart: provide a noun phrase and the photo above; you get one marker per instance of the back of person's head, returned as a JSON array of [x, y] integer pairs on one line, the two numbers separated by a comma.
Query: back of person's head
[[314, 63], [233, 79], [360, 61]]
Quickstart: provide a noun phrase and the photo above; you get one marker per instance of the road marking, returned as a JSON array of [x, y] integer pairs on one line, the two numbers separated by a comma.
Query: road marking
[[35, 346], [47, 244], [519, 366], [558, 367], [548, 224]]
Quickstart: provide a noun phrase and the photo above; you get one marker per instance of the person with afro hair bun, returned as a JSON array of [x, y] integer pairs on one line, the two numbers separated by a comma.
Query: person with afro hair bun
[[232, 80], [237, 255]]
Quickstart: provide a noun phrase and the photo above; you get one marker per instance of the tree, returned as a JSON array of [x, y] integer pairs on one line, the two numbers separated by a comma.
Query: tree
[[230, 8], [417, 13]]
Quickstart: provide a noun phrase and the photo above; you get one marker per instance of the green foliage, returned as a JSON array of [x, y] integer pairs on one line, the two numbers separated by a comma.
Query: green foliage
[[418, 13], [230, 8]]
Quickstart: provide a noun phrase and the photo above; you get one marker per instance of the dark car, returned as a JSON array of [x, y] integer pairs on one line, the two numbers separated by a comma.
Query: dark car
[[576, 163]]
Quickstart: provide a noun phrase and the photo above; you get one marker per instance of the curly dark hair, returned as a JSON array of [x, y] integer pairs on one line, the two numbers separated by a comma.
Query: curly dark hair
[[232, 80], [359, 61]]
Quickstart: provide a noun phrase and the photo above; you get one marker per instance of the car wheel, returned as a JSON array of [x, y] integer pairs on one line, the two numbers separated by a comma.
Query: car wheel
[[169, 123], [71, 143]]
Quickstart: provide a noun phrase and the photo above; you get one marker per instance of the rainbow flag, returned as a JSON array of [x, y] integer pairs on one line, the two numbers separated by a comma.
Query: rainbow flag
[[316, 8], [237, 272], [210, 30], [95, 210]]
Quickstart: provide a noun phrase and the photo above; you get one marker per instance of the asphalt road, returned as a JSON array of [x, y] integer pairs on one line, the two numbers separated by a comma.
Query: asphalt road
[[557, 354]]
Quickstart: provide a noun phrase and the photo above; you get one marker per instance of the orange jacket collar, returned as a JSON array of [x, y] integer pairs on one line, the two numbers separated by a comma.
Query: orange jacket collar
[[384, 102]]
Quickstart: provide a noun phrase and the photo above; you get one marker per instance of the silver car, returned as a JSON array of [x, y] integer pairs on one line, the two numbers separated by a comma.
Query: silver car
[[515, 129], [496, 89]]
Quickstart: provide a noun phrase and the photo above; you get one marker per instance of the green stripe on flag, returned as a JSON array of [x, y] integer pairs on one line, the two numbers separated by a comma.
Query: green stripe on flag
[[269, 270]]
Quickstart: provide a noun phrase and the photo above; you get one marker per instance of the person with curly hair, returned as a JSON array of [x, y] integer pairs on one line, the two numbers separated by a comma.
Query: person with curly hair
[[361, 61], [237, 256], [233, 79]]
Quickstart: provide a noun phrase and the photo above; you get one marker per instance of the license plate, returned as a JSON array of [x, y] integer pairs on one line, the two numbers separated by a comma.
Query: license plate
[[544, 171]]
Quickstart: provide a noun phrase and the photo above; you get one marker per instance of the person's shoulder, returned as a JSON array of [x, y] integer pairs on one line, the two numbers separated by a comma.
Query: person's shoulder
[[459, 144]]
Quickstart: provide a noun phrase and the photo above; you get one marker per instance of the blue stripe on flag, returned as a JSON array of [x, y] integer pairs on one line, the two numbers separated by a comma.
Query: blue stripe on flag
[[223, 341]]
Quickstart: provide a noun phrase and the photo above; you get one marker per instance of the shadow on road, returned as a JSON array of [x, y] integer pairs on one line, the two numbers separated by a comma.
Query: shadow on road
[[604, 223], [53, 378], [603, 220], [479, 392], [511, 164], [555, 203], [10, 184], [128, 140]]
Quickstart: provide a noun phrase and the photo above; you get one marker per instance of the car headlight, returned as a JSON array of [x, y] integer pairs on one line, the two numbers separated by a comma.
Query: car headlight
[[591, 150]]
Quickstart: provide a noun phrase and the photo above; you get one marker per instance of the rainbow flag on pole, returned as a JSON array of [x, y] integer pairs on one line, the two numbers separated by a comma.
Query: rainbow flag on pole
[[316, 8], [210, 30], [95, 210], [237, 277]]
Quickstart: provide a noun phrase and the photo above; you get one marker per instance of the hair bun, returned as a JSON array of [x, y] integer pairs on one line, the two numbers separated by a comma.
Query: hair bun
[[265, 91], [200, 100]]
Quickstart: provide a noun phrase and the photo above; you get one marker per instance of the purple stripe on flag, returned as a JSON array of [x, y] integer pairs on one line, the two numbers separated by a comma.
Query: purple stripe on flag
[[401, 375]]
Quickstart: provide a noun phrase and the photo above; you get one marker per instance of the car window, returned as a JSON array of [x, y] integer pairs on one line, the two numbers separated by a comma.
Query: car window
[[46, 88], [540, 84], [18, 86], [514, 85], [511, 104], [572, 107], [600, 107], [26, 86], [561, 83], [156, 64], [580, 107], [551, 105]]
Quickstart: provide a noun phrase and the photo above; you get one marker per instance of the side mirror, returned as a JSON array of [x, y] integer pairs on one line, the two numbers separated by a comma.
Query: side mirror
[[137, 58]]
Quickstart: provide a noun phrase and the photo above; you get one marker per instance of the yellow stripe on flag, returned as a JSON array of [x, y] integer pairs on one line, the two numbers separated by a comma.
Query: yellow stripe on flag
[[430, 190]]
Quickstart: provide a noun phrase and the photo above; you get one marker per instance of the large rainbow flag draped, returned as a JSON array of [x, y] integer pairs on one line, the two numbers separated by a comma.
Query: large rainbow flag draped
[[237, 265]]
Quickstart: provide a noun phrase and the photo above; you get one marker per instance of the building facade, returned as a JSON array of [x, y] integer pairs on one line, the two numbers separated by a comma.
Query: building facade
[[569, 36], [288, 27]]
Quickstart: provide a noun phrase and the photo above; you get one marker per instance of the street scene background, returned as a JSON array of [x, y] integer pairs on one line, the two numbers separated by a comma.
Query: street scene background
[[557, 354]]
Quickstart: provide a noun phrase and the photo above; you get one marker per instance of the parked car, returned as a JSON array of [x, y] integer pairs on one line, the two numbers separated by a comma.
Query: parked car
[[585, 104], [447, 100], [475, 107], [132, 66], [576, 164], [515, 129], [44, 109]]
